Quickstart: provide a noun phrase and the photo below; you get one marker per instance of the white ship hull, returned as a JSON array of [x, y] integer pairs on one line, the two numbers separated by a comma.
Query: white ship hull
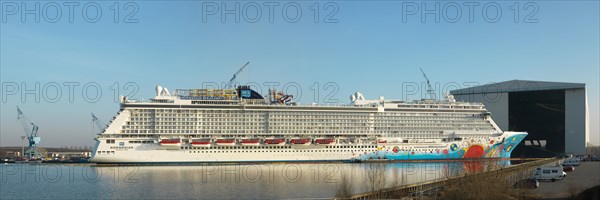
[[150, 154], [500, 147]]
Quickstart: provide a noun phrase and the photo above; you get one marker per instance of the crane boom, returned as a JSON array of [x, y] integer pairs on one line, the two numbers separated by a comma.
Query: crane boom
[[430, 90], [99, 124], [24, 122], [232, 80], [29, 127]]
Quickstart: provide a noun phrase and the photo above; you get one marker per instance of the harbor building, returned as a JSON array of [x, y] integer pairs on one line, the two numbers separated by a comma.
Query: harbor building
[[554, 114]]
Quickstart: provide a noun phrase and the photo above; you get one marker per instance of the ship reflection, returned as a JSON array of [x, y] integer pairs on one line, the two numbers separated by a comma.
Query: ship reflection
[[291, 180]]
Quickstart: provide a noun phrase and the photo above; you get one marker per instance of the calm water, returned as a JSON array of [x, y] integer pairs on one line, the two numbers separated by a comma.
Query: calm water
[[252, 181]]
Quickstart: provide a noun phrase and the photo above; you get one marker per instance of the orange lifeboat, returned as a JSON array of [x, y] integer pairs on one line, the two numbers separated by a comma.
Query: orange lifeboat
[[201, 142], [225, 142], [325, 141], [250, 142], [275, 141], [300, 141], [170, 142]]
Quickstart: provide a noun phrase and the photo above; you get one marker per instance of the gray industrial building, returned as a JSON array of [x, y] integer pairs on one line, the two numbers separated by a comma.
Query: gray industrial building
[[554, 114]]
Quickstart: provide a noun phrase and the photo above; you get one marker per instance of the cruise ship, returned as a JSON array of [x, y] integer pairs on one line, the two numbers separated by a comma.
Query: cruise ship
[[240, 125]]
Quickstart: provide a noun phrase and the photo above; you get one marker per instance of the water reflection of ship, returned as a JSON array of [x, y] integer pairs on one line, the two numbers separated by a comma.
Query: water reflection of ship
[[474, 166], [433, 170]]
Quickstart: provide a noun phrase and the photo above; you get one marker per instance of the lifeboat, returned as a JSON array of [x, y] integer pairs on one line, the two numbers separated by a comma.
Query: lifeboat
[[226, 142], [170, 142], [250, 142], [300, 141], [325, 141], [275, 141], [381, 141], [201, 142]]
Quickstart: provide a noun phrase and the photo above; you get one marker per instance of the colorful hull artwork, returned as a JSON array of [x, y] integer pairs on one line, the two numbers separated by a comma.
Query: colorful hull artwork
[[471, 149]]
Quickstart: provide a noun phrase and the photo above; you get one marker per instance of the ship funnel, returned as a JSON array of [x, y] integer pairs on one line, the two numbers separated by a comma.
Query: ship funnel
[[357, 96], [162, 91], [360, 96], [158, 90], [450, 97]]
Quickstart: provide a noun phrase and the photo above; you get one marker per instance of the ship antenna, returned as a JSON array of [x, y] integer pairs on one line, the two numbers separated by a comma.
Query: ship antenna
[[430, 90]]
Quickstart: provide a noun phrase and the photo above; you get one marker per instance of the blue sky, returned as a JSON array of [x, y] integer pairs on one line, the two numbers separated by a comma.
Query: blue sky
[[369, 49]]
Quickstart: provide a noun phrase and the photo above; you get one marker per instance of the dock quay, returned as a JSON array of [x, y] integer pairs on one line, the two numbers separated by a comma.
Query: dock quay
[[50, 154], [511, 174]]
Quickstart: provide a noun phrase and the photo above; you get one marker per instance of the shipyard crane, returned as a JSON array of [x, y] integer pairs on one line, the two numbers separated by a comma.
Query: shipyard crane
[[31, 132], [430, 90], [232, 80], [99, 124]]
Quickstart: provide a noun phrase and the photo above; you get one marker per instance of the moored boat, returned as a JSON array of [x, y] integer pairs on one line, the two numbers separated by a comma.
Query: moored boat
[[21, 160], [243, 126], [35, 160]]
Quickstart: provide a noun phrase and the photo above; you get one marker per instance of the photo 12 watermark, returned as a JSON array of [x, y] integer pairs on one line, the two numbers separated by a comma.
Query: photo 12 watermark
[[490, 92], [50, 173], [270, 11], [69, 11], [274, 92], [316, 92], [469, 11], [65, 92], [207, 173]]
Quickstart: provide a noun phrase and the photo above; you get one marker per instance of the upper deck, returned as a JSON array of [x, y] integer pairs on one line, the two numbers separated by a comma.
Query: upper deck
[[245, 98]]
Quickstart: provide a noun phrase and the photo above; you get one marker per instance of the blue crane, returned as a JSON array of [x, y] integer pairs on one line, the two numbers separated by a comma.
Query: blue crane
[[31, 132], [430, 90]]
